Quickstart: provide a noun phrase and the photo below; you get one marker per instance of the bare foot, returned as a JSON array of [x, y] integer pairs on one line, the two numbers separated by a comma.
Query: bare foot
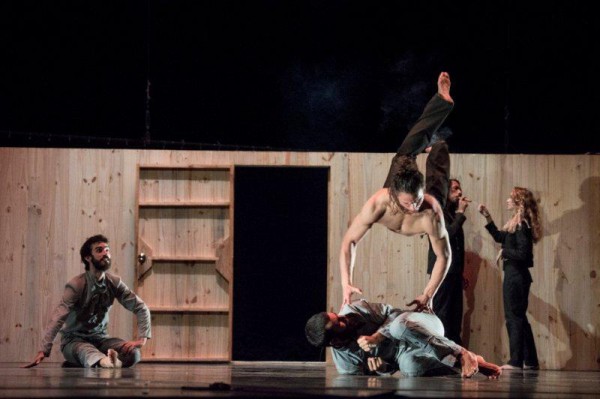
[[490, 370], [468, 361], [114, 358], [106, 363], [444, 87]]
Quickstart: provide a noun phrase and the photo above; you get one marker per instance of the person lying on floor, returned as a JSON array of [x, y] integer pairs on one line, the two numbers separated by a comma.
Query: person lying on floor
[[375, 338]]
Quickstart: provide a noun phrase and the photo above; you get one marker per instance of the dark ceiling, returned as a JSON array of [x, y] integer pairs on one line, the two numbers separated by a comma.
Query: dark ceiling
[[324, 75]]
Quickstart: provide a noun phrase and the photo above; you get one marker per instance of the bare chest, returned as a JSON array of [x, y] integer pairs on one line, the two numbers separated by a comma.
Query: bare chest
[[401, 223]]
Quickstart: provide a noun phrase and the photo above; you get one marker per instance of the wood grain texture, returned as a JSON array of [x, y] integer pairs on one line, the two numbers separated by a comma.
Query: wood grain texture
[[51, 200]]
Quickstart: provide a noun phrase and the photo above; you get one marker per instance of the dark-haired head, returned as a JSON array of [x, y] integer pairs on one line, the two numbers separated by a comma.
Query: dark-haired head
[[408, 181], [86, 248], [316, 330]]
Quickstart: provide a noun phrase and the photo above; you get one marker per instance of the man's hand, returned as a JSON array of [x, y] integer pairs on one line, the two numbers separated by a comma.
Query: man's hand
[[368, 342], [376, 364], [463, 203], [131, 345], [348, 290], [38, 359], [422, 303]]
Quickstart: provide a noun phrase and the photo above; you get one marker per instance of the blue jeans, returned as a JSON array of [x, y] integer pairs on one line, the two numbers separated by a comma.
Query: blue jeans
[[422, 348]]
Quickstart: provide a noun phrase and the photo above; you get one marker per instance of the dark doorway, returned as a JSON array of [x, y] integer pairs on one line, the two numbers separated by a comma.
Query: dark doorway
[[280, 261]]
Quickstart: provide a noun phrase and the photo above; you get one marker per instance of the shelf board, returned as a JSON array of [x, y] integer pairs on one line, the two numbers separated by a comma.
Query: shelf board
[[188, 204], [167, 258], [185, 167], [186, 359], [179, 309]]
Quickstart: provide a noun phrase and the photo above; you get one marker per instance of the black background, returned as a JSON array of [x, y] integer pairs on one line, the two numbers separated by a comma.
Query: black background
[[322, 75]]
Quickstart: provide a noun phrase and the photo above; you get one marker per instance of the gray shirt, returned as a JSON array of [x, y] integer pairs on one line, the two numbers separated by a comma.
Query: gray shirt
[[83, 309], [377, 317]]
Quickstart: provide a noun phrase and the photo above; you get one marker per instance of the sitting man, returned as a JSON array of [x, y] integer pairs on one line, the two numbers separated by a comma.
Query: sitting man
[[83, 315], [369, 338]]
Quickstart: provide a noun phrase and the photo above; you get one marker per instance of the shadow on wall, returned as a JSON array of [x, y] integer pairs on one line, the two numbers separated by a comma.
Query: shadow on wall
[[474, 264], [576, 255]]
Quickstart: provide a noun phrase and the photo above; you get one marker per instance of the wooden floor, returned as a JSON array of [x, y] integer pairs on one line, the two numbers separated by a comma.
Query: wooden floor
[[278, 380]]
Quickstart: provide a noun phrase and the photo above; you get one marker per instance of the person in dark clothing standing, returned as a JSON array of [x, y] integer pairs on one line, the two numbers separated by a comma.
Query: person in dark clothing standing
[[517, 237], [448, 302]]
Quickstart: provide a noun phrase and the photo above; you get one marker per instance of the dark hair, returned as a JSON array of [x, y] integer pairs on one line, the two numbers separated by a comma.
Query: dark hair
[[408, 179], [453, 179], [315, 330], [86, 248]]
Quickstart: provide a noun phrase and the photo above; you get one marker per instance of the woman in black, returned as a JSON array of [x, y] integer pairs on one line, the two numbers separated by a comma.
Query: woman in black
[[517, 237]]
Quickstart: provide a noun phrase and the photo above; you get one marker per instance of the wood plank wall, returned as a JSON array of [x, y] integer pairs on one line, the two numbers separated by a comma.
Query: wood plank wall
[[52, 199]]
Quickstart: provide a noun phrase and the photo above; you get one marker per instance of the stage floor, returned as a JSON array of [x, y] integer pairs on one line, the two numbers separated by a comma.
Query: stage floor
[[278, 380]]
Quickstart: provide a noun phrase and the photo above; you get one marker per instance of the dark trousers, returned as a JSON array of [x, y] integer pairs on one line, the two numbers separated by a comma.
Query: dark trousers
[[515, 289], [448, 305], [437, 168]]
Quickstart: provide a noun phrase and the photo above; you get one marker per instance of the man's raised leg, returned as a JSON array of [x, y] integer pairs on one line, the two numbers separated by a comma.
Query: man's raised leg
[[419, 136]]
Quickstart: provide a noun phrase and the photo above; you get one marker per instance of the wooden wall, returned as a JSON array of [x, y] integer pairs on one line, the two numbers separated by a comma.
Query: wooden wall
[[52, 199]]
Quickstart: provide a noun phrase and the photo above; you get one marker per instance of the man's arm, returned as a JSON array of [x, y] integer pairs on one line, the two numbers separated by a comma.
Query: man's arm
[[133, 303], [438, 236], [368, 215], [59, 315]]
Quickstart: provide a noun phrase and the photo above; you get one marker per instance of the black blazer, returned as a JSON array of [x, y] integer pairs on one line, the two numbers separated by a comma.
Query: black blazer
[[517, 247]]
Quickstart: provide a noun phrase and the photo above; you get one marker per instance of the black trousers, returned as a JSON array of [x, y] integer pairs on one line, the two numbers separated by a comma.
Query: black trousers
[[515, 290], [448, 305], [437, 168]]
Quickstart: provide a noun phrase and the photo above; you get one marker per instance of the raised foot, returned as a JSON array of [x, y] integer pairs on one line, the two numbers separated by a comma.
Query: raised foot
[[444, 87]]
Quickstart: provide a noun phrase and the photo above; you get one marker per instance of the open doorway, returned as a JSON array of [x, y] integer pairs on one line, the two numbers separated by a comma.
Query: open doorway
[[280, 261]]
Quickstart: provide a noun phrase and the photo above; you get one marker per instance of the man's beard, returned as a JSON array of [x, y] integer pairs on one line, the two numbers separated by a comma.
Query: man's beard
[[102, 264]]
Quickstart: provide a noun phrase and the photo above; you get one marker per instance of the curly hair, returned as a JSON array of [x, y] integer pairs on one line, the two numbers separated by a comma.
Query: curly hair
[[407, 179], [86, 248], [526, 210]]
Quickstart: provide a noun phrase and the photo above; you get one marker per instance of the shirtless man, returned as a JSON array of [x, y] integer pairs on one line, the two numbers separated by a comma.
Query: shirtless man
[[405, 205]]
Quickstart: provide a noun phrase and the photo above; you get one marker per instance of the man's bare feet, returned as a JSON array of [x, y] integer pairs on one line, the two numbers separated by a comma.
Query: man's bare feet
[[114, 358], [490, 370], [106, 363], [468, 362], [444, 87]]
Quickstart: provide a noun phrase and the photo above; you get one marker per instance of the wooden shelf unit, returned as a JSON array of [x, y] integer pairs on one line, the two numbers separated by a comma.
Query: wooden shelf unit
[[184, 217]]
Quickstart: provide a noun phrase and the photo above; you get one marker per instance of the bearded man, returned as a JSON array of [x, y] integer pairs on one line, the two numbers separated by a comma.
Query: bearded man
[[82, 315]]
